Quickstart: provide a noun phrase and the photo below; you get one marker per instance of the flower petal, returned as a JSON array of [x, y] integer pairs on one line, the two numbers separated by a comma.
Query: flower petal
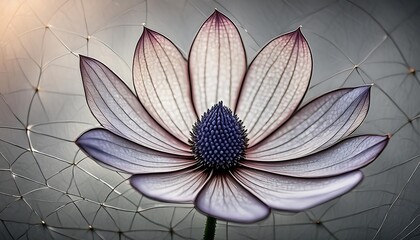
[[274, 85], [161, 80], [295, 194], [120, 153], [224, 198], [316, 126], [217, 63], [346, 156], [181, 186], [118, 109]]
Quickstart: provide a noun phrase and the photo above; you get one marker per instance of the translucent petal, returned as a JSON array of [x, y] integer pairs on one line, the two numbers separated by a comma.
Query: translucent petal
[[217, 63], [224, 198], [181, 186], [274, 85], [346, 156], [295, 194], [118, 109], [316, 126], [161, 81], [120, 153]]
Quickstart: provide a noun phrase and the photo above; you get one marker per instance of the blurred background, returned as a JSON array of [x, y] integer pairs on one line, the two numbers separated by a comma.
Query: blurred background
[[50, 190]]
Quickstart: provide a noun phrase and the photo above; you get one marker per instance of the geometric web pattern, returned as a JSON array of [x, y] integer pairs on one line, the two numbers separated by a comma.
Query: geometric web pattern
[[50, 190]]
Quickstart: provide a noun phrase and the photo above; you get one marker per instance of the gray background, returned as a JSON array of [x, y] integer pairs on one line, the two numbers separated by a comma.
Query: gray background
[[44, 177]]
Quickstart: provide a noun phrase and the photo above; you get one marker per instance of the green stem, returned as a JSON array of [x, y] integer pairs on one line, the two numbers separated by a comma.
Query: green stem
[[210, 229]]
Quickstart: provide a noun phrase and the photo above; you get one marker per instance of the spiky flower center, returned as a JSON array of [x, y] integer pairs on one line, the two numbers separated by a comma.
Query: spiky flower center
[[218, 139]]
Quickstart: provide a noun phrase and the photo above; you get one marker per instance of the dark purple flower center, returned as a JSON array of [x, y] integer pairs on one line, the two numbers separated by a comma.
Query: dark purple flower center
[[218, 139]]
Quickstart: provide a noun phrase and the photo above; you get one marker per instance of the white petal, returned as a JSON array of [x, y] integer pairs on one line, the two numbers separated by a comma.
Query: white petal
[[178, 187], [118, 109], [319, 124], [346, 156], [217, 63], [120, 153], [274, 85], [295, 194], [161, 81], [224, 198]]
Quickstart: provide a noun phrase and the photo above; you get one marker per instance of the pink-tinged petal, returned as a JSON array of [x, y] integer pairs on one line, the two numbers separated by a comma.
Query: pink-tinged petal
[[316, 126], [275, 84], [120, 153], [181, 186], [346, 156], [217, 63], [118, 109], [295, 194], [224, 198], [161, 80]]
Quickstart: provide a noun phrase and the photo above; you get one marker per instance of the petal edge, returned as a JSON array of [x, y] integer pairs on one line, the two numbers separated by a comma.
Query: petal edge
[[181, 186], [117, 109], [274, 85], [295, 194], [348, 155], [161, 81], [224, 198], [316, 126], [217, 63], [120, 153]]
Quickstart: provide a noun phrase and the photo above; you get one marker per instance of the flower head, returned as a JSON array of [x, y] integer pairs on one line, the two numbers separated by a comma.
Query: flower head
[[219, 139], [251, 150]]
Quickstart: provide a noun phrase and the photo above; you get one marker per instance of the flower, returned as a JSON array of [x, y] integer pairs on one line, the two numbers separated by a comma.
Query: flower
[[251, 150]]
